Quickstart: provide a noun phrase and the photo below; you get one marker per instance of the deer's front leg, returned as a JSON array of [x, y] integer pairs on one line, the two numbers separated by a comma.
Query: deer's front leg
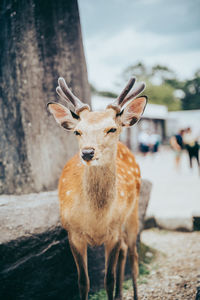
[[111, 255], [79, 251]]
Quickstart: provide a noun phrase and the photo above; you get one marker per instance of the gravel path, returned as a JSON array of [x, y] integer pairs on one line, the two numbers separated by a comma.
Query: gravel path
[[175, 273]]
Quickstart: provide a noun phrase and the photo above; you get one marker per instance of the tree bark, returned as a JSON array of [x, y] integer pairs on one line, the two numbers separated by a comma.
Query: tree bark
[[40, 41]]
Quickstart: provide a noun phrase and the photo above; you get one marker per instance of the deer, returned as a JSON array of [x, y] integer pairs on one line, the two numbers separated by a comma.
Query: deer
[[99, 187]]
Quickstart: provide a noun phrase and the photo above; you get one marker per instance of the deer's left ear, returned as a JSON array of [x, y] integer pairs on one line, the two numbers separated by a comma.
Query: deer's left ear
[[133, 111]]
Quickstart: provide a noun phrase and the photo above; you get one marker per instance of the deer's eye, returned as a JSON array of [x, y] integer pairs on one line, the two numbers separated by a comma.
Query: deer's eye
[[77, 132], [111, 130]]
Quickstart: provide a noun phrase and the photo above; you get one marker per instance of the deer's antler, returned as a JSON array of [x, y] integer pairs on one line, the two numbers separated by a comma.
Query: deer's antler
[[66, 94], [127, 94]]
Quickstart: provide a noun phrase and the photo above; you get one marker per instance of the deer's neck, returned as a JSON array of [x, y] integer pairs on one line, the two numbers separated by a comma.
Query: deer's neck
[[100, 185]]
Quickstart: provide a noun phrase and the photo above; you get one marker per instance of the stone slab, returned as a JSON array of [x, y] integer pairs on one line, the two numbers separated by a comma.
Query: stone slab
[[24, 215]]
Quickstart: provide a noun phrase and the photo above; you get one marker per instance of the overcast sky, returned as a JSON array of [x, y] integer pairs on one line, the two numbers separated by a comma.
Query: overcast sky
[[120, 33]]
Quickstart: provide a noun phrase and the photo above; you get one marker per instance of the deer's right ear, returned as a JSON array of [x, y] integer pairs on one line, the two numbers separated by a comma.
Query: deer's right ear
[[63, 115], [133, 111]]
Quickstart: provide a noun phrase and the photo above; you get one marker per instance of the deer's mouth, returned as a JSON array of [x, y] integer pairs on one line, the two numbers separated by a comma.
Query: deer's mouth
[[95, 162], [92, 162]]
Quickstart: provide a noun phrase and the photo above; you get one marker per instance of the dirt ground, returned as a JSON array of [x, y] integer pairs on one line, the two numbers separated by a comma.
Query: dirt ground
[[175, 272]]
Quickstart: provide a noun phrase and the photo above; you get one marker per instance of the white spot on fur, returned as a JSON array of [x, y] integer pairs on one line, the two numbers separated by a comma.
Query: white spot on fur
[[130, 159], [129, 172], [121, 155], [68, 193], [123, 171], [64, 179], [122, 193]]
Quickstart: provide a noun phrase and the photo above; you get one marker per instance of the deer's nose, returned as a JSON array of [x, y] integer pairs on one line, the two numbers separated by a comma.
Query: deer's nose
[[87, 154]]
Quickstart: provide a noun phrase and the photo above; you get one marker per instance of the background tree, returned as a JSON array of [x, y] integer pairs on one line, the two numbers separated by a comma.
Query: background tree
[[163, 94], [158, 89], [191, 90], [109, 94], [163, 86], [162, 74], [139, 70]]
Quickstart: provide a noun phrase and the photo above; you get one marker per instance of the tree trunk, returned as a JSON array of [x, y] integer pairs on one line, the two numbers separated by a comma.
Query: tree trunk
[[40, 41]]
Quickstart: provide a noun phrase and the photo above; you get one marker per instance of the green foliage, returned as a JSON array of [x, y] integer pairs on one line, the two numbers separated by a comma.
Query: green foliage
[[107, 94], [167, 84], [127, 285], [100, 295], [162, 72], [143, 252], [144, 270], [163, 94], [162, 86], [139, 70], [191, 89]]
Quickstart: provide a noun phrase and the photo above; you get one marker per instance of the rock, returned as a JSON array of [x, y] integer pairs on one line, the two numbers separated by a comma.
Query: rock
[[170, 223], [28, 214], [145, 193], [176, 223]]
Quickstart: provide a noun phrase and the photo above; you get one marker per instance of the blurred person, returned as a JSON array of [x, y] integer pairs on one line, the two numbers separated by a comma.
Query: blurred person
[[154, 142], [143, 139], [177, 144], [191, 146]]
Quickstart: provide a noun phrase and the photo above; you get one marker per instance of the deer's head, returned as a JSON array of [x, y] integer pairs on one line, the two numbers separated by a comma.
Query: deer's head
[[98, 132]]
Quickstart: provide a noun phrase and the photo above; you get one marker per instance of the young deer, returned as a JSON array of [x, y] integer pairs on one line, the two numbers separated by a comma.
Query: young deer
[[99, 187]]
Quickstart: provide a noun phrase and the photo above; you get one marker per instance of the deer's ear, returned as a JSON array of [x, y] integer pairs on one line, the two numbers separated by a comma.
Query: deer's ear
[[63, 115], [133, 111]]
